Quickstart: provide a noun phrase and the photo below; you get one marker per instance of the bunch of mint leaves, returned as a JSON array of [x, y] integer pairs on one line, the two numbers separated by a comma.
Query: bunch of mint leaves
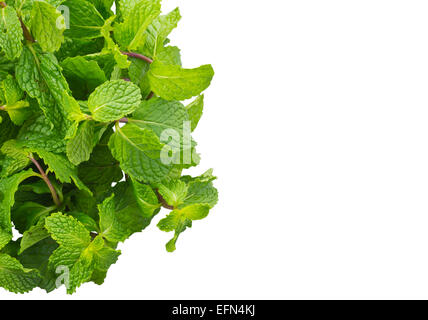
[[94, 137]]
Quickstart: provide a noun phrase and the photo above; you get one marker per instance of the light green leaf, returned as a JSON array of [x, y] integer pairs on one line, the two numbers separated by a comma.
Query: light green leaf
[[125, 7], [85, 20], [146, 199], [173, 191], [158, 115], [157, 33], [80, 147], [67, 231], [112, 47], [40, 134], [15, 159], [10, 33], [138, 151], [131, 33], [175, 83], [201, 192], [39, 74], [14, 277], [76, 251], [113, 100], [111, 227], [181, 219], [103, 259], [195, 110], [47, 26], [8, 187], [169, 55]]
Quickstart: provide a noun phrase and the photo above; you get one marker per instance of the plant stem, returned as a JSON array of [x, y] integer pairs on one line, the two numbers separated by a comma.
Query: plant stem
[[3, 108], [123, 120], [27, 34], [137, 56], [151, 95], [47, 181], [163, 202], [2, 4]]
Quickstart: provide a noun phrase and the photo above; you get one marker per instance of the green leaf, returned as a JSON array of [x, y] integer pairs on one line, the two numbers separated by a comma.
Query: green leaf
[[67, 231], [33, 235], [138, 74], [10, 33], [146, 199], [28, 214], [7, 129], [157, 33], [160, 115], [201, 192], [112, 47], [38, 133], [102, 169], [138, 151], [15, 160], [174, 192], [195, 110], [181, 219], [169, 55], [113, 100], [80, 147], [126, 6], [82, 256], [39, 74], [111, 227], [64, 170], [14, 277], [131, 33], [175, 83], [47, 26], [130, 211], [85, 20], [83, 75], [134, 207], [8, 187], [37, 257]]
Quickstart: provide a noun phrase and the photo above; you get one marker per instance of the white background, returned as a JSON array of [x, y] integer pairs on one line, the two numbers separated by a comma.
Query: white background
[[317, 126]]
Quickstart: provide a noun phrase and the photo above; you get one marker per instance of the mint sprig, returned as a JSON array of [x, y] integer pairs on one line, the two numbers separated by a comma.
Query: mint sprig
[[94, 137]]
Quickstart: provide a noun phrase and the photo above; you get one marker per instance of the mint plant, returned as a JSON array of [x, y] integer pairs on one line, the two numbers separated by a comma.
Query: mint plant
[[94, 137]]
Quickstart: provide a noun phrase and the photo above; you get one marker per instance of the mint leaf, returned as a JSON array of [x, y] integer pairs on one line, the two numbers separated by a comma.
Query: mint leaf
[[8, 187], [195, 110], [131, 33], [175, 83], [181, 219], [79, 148], [77, 251], [156, 34], [85, 20], [113, 100], [10, 33], [94, 137], [138, 151], [14, 277], [82, 75], [47, 26]]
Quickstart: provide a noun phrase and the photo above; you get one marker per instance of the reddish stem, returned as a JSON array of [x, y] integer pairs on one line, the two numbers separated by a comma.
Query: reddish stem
[[137, 56], [163, 202], [47, 181]]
